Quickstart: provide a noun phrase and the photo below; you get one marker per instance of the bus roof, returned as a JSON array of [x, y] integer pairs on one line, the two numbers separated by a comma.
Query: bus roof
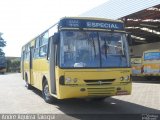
[[93, 22], [92, 18]]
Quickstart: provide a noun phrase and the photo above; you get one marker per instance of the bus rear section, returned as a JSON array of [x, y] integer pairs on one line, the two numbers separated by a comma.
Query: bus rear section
[[136, 64], [151, 63], [2, 65]]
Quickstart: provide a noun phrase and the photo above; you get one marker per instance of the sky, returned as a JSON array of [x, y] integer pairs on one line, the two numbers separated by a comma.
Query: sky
[[22, 20]]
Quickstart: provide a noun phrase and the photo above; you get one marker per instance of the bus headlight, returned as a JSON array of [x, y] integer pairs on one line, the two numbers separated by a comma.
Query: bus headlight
[[68, 80], [121, 78], [127, 78], [75, 80]]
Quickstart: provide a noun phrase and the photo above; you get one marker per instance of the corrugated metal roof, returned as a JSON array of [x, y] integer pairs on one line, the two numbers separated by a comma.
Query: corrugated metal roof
[[115, 9]]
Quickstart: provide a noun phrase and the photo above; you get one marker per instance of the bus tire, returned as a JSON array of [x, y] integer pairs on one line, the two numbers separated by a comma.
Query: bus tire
[[27, 85], [45, 93]]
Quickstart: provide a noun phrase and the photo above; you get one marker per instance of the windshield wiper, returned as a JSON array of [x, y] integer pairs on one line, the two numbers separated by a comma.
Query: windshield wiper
[[94, 48], [92, 39], [106, 47]]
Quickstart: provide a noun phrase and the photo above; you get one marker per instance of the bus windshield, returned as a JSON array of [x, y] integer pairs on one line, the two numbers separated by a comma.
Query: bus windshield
[[93, 49], [152, 56]]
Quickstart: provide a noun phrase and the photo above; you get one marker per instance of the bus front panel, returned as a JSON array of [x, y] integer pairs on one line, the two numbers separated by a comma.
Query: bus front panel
[[93, 83]]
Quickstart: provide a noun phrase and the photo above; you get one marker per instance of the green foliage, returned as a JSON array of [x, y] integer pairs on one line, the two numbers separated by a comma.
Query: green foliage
[[1, 52], [2, 44], [13, 65]]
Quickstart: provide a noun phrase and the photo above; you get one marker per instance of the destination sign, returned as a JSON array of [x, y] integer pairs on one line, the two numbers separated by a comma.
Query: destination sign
[[81, 23]]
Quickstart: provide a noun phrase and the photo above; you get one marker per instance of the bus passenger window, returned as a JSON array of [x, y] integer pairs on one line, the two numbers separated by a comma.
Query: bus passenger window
[[36, 49], [44, 44]]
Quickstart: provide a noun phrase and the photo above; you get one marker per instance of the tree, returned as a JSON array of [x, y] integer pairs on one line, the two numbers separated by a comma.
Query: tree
[[2, 44], [13, 65]]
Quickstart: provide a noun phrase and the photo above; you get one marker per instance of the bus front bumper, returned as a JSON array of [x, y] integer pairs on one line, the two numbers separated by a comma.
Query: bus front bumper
[[91, 91]]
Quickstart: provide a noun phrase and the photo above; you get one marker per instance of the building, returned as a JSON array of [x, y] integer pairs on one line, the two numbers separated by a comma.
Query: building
[[141, 17]]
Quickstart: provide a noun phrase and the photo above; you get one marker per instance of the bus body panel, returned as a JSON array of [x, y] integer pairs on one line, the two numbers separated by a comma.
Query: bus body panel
[[136, 64], [40, 71], [136, 70], [151, 66], [152, 69], [26, 71], [86, 82], [105, 82]]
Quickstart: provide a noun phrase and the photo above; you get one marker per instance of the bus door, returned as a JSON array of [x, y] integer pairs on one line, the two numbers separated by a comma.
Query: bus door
[[31, 65], [52, 63]]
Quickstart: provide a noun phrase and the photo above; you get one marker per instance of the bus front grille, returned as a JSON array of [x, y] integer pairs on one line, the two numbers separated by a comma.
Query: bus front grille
[[100, 91], [99, 82]]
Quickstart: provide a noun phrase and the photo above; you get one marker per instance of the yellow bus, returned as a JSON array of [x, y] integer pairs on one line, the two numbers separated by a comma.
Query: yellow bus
[[66, 60], [136, 64], [2, 64], [151, 63]]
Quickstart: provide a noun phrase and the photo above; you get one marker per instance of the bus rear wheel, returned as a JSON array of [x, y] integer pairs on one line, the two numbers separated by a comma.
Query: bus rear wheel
[[45, 93], [27, 85]]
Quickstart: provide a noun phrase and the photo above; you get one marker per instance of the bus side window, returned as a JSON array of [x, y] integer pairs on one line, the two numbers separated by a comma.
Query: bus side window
[[43, 45], [26, 52], [36, 49]]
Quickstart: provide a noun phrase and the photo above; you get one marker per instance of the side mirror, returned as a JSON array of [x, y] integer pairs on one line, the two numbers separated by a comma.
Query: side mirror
[[55, 38], [129, 38]]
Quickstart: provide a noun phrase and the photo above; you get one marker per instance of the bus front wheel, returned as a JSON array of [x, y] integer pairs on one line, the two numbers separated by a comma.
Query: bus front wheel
[[45, 93]]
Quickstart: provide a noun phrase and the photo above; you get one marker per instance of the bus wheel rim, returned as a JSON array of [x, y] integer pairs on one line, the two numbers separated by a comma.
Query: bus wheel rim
[[46, 92]]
